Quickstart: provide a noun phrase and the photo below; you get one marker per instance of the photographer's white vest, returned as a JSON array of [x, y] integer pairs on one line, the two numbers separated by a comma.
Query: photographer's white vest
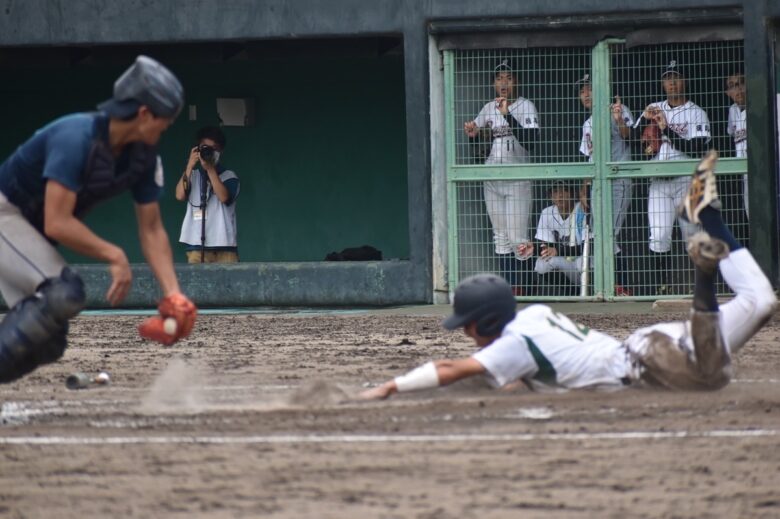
[[220, 218]]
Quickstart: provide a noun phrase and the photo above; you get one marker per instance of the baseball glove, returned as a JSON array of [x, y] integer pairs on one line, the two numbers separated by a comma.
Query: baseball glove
[[177, 307], [652, 138]]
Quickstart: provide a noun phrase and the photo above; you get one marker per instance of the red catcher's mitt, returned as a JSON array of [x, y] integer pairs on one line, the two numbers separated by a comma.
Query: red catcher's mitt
[[652, 138], [179, 308]]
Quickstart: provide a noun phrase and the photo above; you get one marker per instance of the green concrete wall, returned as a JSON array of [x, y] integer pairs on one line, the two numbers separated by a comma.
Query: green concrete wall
[[323, 168]]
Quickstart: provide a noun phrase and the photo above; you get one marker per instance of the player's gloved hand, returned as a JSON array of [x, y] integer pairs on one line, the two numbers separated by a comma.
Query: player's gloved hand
[[177, 307]]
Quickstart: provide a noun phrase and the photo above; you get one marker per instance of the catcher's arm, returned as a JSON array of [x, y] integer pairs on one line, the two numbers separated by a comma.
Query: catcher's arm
[[157, 250]]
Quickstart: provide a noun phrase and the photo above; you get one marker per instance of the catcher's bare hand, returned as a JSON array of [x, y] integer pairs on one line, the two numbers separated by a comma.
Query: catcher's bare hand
[[121, 278]]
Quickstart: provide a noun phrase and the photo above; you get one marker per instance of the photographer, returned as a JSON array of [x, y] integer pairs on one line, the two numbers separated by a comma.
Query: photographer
[[209, 227]]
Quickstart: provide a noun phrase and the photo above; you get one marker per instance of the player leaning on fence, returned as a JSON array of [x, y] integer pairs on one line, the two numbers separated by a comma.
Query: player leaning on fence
[[621, 122], [677, 129], [737, 122], [46, 187], [513, 124], [540, 347]]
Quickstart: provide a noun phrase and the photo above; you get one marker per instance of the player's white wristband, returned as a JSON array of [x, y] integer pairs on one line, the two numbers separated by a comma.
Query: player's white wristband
[[423, 377]]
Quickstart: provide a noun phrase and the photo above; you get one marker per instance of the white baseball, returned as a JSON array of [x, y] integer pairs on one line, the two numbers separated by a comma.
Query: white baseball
[[102, 378], [170, 326]]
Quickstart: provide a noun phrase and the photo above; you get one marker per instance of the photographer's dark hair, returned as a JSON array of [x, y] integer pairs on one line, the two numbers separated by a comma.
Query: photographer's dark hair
[[213, 133]]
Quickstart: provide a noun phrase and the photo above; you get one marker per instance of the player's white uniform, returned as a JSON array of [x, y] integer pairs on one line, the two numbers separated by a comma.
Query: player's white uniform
[[737, 128], [666, 194], [554, 228], [508, 201], [620, 152], [543, 347]]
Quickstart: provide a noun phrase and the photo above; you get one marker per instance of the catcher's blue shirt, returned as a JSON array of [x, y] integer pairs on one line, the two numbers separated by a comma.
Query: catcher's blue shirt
[[59, 151]]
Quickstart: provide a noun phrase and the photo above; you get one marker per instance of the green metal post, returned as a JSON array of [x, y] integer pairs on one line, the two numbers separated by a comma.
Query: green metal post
[[603, 270], [452, 198]]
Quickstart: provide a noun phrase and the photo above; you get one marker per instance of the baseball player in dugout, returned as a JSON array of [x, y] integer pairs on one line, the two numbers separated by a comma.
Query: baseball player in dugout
[[676, 129], [538, 347], [737, 123], [209, 227], [46, 187], [513, 127], [621, 122], [560, 237]]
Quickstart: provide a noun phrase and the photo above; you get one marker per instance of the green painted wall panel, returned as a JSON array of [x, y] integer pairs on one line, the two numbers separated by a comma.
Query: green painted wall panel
[[323, 168]]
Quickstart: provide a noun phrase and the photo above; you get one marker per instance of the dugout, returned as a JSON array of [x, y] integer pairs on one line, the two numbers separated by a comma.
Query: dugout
[[376, 73]]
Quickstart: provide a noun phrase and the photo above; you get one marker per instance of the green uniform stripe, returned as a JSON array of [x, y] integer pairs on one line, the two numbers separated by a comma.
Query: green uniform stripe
[[546, 373]]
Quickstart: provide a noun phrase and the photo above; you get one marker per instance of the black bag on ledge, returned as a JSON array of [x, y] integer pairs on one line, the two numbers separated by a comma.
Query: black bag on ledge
[[364, 253]]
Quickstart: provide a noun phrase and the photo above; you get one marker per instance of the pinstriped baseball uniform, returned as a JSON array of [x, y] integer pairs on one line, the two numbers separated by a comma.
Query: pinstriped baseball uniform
[[508, 202], [688, 121]]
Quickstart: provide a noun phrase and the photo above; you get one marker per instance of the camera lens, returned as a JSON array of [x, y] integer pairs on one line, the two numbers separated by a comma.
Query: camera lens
[[206, 152]]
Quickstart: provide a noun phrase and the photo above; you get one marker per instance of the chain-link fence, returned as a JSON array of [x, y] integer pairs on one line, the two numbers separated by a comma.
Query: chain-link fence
[[541, 198]]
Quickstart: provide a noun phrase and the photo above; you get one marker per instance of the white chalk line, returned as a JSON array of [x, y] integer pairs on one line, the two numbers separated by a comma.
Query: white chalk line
[[365, 438]]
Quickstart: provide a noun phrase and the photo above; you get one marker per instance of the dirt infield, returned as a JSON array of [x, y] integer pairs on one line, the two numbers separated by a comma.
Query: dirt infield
[[251, 417]]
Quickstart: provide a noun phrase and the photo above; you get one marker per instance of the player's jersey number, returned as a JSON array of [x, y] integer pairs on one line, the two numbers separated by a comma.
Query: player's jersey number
[[566, 325]]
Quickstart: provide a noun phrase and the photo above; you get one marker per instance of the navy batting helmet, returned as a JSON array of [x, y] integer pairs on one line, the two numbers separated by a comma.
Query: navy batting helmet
[[486, 299], [146, 82]]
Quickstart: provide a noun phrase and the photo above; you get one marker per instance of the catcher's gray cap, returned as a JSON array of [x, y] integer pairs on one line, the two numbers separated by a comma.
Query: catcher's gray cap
[[146, 82], [673, 68], [486, 299]]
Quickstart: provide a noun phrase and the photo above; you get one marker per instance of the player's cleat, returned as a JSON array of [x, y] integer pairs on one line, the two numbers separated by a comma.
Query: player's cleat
[[703, 190], [706, 251], [622, 291]]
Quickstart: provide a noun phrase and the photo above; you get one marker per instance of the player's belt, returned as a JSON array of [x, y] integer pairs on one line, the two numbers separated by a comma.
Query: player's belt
[[503, 131]]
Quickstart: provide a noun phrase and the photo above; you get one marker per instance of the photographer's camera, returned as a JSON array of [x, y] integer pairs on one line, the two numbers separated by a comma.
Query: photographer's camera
[[206, 152]]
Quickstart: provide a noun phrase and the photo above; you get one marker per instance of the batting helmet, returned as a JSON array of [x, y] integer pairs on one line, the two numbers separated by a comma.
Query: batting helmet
[[485, 299], [146, 82]]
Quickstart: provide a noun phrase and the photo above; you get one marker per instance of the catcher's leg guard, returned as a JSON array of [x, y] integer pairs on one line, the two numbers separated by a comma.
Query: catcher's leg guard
[[34, 331]]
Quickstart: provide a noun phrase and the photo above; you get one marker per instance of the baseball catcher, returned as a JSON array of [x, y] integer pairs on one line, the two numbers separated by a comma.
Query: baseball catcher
[[50, 182], [540, 347]]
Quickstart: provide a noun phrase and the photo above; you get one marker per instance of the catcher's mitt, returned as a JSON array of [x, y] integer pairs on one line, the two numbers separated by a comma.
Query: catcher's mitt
[[652, 138], [175, 306]]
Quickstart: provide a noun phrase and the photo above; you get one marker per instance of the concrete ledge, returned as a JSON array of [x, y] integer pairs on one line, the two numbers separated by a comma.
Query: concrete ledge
[[672, 305], [345, 283], [678, 305]]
